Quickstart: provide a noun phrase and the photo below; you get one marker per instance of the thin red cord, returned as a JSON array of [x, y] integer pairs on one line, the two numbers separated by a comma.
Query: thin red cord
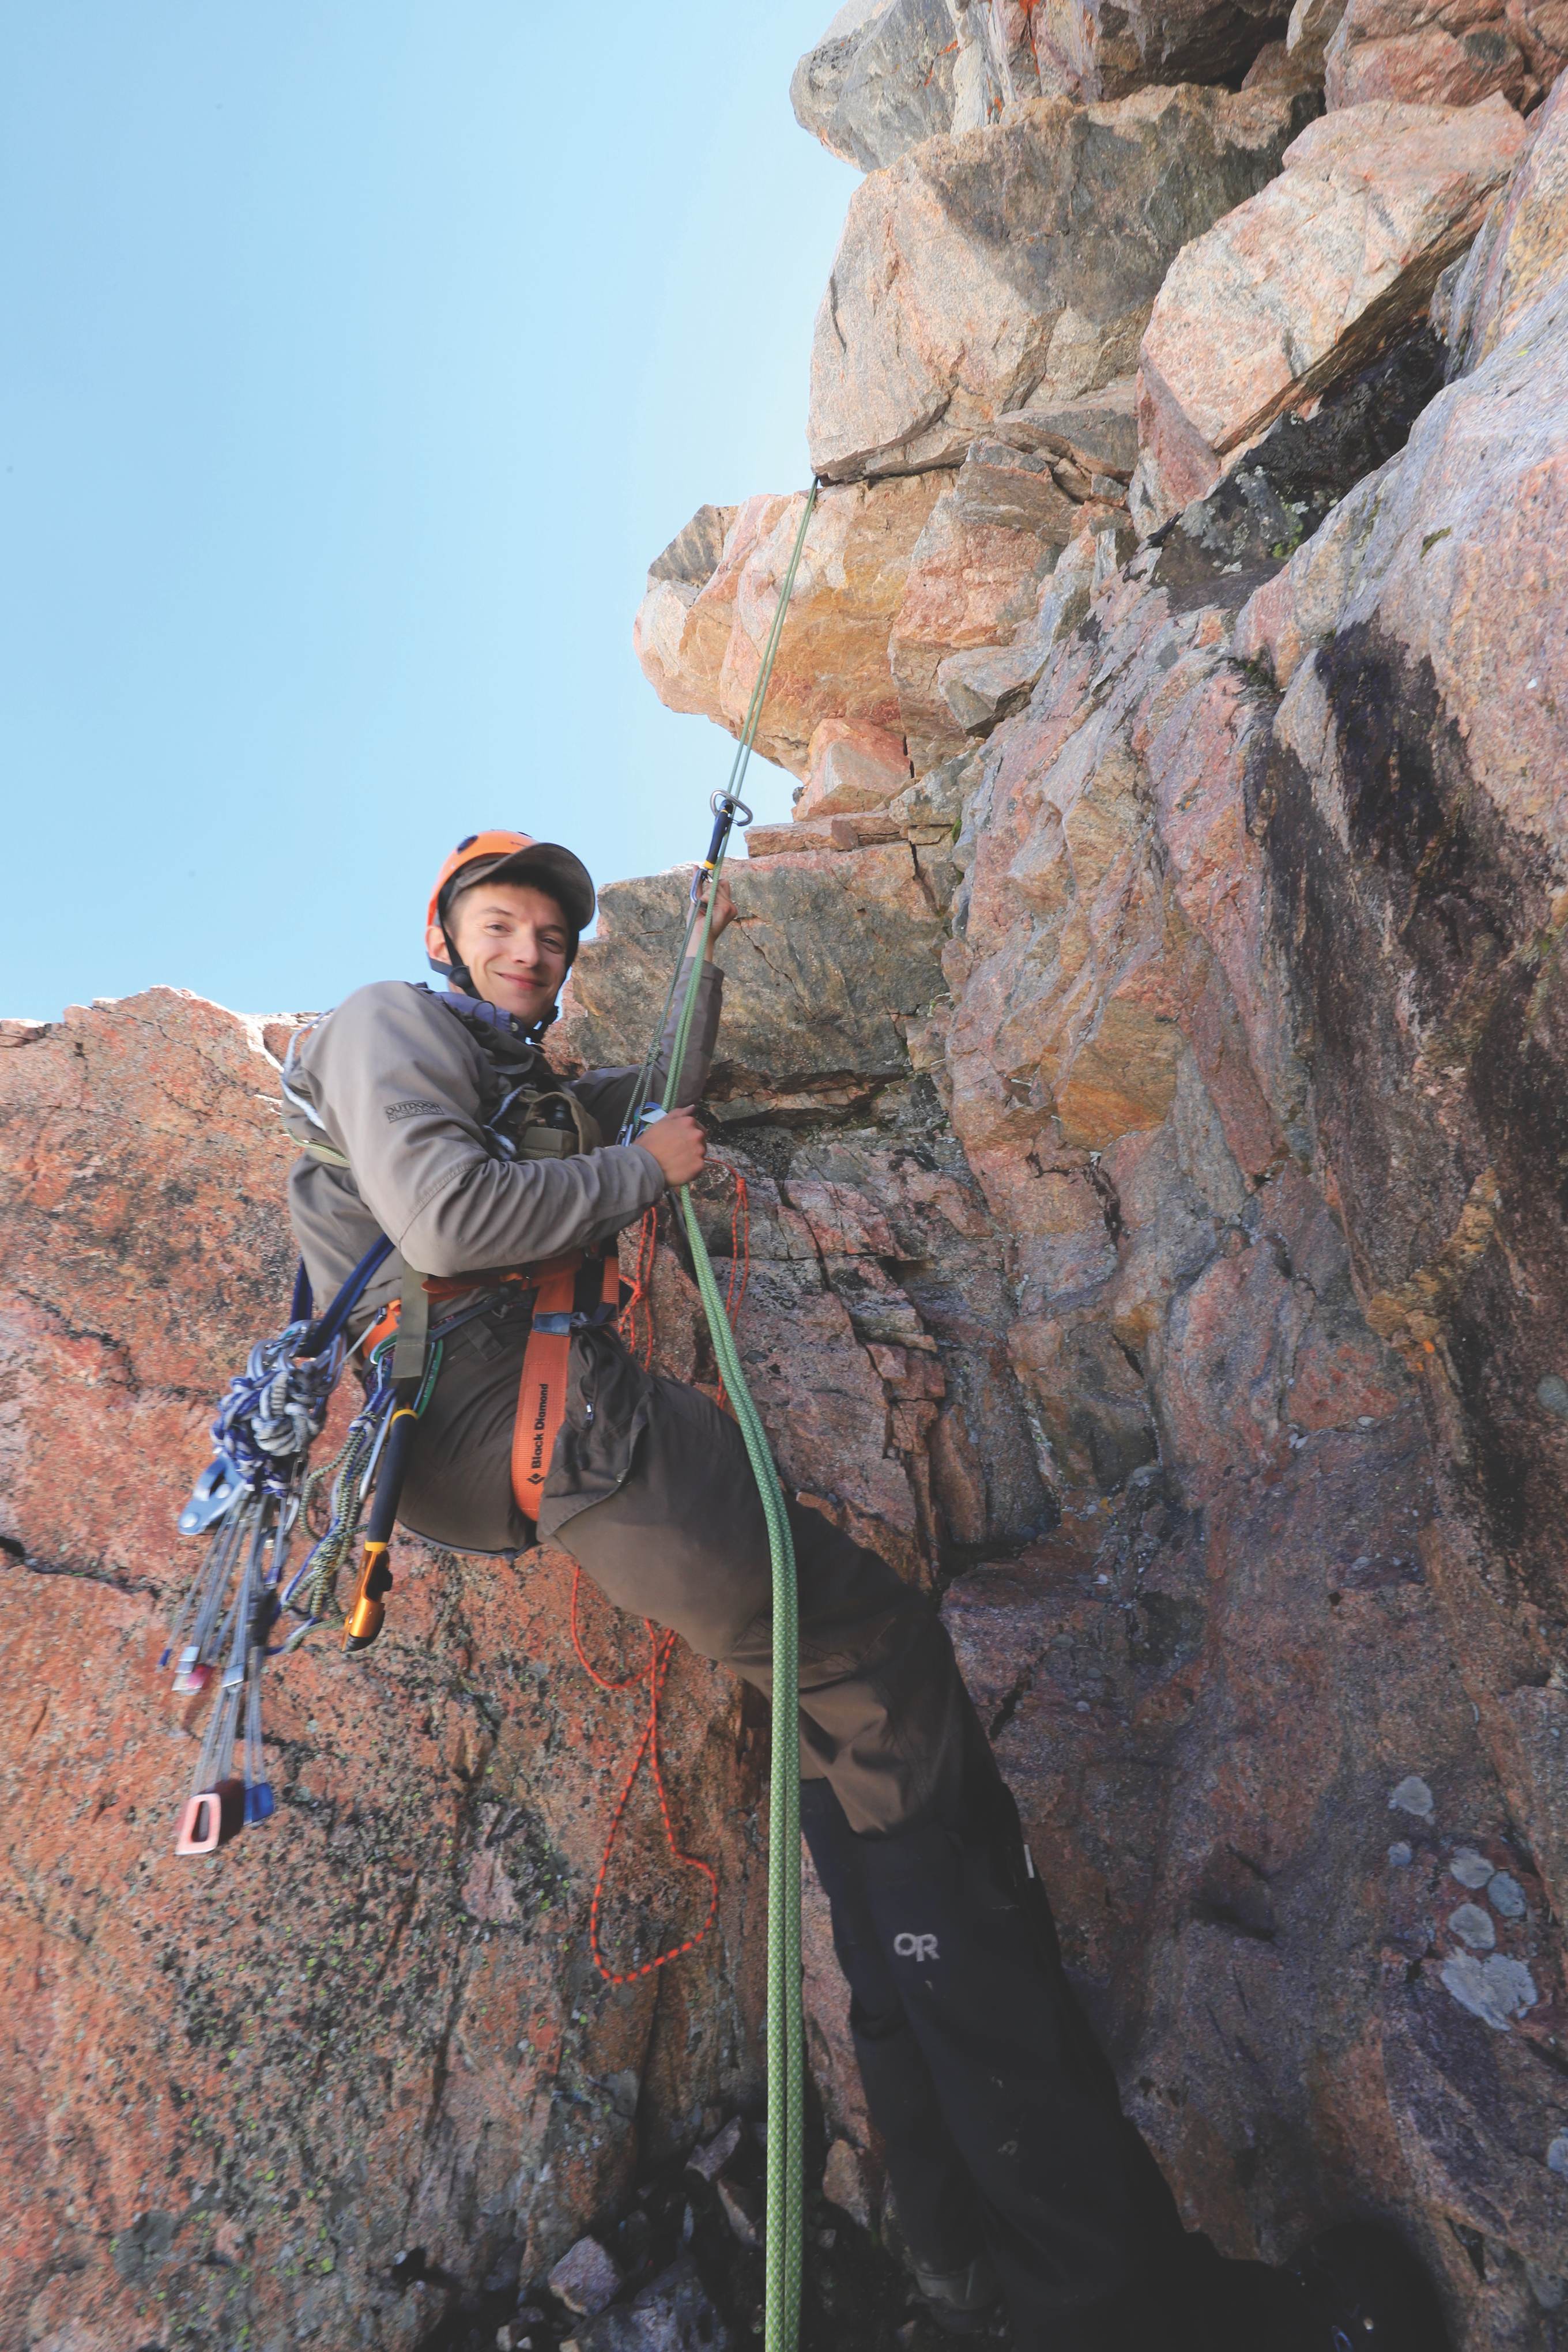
[[662, 1648], [642, 1290]]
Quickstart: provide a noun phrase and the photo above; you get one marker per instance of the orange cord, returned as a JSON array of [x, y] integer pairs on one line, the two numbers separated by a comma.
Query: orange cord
[[662, 1648], [642, 1291], [640, 1304]]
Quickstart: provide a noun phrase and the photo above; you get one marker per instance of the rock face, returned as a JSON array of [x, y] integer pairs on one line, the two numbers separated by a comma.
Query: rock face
[[873, 604], [1169, 862], [960, 291], [1452, 54], [1250, 1039], [851, 768], [1313, 23], [235, 2093], [974, 577], [1522, 246], [980, 688], [702, 625], [1145, 1058], [1305, 284], [885, 79], [1106, 52]]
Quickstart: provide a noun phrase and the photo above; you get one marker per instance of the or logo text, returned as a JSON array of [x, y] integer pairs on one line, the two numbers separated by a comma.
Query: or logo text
[[916, 1948]]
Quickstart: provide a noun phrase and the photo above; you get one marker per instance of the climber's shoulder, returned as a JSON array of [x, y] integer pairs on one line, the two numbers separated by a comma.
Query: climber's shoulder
[[388, 999], [384, 1027], [389, 1008]]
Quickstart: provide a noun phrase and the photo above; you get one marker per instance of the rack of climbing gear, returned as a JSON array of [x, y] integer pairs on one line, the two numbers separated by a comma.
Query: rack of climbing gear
[[249, 1503]]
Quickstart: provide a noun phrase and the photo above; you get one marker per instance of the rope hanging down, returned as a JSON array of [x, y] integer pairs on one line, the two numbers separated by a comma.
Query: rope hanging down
[[786, 2098]]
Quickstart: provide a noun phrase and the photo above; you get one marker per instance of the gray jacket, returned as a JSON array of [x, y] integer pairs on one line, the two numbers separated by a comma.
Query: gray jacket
[[399, 1083]]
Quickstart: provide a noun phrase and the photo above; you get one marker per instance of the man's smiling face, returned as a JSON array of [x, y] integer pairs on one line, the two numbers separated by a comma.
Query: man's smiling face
[[516, 943]]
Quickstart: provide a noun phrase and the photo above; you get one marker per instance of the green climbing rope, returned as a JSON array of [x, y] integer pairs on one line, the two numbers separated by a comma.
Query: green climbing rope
[[786, 2056], [785, 2048]]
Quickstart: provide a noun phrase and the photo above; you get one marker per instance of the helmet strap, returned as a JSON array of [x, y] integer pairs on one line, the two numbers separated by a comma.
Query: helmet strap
[[454, 970]]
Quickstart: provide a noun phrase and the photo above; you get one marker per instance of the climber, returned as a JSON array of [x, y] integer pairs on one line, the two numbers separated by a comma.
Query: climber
[[1014, 2172]]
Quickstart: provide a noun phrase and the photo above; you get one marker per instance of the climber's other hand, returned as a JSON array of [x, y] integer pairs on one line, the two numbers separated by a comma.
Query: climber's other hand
[[677, 1143], [725, 911]]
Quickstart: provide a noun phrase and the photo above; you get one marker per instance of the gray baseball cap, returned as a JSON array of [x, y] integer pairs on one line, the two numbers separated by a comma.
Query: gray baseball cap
[[545, 864]]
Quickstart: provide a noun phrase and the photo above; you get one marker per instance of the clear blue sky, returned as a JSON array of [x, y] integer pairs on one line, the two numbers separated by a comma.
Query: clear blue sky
[[356, 361]]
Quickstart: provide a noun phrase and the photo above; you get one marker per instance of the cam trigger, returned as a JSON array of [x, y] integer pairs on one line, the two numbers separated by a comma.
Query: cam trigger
[[368, 1612]]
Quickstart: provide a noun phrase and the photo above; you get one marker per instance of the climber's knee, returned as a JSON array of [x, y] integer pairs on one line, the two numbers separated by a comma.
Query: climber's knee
[[683, 1540]]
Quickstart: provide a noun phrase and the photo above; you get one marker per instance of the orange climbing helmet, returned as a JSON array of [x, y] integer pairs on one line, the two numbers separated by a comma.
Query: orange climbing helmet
[[517, 858]]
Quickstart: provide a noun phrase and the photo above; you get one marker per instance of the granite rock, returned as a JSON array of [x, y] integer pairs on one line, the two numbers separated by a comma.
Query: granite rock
[[1249, 1476], [672, 2314], [1095, 434], [986, 685], [974, 576], [887, 78], [1278, 67], [1313, 23], [1445, 52], [1104, 50], [1307, 282], [851, 767], [962, 288], [830, 955], [585, 2279], [1522, 246], [701, 641], [1439, 1122]]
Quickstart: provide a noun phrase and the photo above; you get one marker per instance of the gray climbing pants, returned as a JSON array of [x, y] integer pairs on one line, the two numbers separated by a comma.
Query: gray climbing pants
[[651, 1491]]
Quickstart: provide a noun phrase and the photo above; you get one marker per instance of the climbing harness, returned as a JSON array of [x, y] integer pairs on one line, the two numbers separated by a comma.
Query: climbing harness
[[575, 1291]]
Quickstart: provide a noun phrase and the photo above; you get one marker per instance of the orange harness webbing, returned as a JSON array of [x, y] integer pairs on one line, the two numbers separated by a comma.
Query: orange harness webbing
[[575, 1283], [542, 1391]]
